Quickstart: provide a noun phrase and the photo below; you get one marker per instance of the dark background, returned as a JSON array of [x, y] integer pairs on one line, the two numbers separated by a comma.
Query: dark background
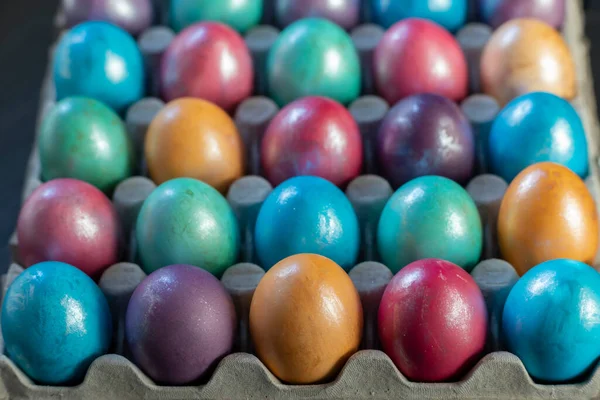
[[26, 33]]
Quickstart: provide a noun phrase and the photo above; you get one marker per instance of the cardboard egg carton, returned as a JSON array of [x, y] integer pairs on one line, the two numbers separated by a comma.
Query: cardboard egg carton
[[367, 374]]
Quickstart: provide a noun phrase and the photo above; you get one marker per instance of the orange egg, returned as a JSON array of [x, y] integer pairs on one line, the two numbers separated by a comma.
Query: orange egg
[[547, 213], [194, 138], [306, 319], [527, 55]]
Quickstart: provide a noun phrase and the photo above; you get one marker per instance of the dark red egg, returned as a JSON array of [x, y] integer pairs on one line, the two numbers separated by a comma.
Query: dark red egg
[[425, 134], [208, 60], [70, 221], [433, 321], [312, 136], [418, 56]]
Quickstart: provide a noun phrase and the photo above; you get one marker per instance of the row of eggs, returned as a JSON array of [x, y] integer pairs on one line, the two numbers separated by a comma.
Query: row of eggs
[[546, 213], [305, 320], [312, 56], [137, 15]]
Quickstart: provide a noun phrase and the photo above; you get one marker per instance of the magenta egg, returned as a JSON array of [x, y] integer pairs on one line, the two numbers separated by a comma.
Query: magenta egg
[[433, 321], [312, 136], [208, 60], [418, 56]]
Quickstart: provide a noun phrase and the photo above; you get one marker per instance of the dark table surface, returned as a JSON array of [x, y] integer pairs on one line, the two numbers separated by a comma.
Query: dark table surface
[[26, 33]]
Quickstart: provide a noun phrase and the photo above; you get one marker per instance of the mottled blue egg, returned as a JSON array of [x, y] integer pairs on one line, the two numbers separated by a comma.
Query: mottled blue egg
[[430, 217], [534, 128], [551, 320], [55, 322], [101, 61], [451, 14], [307, 214]]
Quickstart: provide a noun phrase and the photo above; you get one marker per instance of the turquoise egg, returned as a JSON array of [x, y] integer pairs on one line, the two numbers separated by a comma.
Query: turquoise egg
[[307, 214], [451, 14], [241, 15], [313, 57], [55, 322], [551, 320], [101, 61], [533, 128], [430, 217], [83, 139], [186, 221]]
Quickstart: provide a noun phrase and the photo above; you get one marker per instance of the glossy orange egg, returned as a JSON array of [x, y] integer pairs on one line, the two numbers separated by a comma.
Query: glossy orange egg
[[306, 319], [194, 138], [547, 213], [527, 55]]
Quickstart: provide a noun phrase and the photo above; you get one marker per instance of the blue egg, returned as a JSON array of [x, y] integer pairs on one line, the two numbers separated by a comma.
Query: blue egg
[[101, 61], [551, 320], [451, 14], [534, 128], [307, 214], [55, 322], [430, 217]]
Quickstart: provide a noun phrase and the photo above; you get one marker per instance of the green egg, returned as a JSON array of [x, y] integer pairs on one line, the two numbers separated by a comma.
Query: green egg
[[81, 138], [313, 57]]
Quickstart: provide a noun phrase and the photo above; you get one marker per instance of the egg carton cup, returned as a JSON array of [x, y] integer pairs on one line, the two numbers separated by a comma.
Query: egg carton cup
[[368, 373]]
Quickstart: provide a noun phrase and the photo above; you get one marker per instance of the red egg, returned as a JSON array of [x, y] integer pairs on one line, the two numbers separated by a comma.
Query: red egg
[[433, 321], [208, 60], [312, 136], [418, 56], [70, 221]]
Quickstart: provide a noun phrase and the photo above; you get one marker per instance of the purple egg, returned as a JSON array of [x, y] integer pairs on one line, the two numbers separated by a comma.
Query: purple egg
[[180, 323], [345, 13], [132, 15], [497, 12], [425, 134]]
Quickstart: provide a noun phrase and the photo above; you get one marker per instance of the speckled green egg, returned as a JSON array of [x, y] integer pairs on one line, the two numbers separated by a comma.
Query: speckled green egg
[[186, 221], [430, 217], [81, 138], [313, 57]]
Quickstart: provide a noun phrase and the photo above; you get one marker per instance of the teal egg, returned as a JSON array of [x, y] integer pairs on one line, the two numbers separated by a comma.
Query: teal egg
[[55, 322], [313, 57], [81, 138], [186, 221], [430, 217], [241, 15]]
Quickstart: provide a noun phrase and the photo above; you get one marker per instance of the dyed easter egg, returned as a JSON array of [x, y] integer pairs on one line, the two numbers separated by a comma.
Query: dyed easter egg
[[134, 16], [451, 14], [70, 221], [425, 134], [497, 12], [550, 320], [180, 323], [194, 138], [185, 221], [240, 15], [312, 136], [417, 56], [307, 214], [533, 128], [313, 57], [55, 322], [306, 319], [547, 213], [82, 138], [345, 13], [433, 321], [101, 61], [430, 217], [209, 61], [527, 55]]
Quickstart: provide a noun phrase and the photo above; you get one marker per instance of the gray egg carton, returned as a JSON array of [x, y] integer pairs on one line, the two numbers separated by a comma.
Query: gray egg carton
[[367, 374]]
